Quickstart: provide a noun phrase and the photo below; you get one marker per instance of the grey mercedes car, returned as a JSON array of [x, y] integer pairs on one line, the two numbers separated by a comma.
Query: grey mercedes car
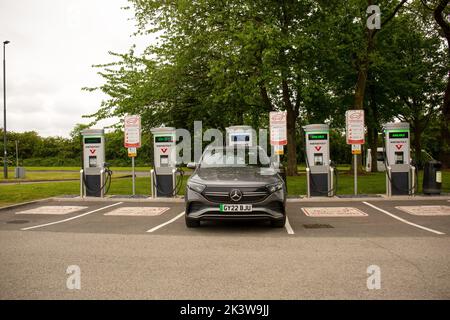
[[235, 183]]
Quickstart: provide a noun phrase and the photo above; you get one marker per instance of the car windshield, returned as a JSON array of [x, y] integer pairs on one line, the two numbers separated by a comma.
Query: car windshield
[[222, 157]]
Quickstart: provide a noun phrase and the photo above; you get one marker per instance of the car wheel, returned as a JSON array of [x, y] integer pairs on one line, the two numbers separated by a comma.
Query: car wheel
[[192, 223], [278, 223]]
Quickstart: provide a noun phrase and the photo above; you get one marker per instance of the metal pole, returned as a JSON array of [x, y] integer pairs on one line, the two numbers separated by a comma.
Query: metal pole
[[17, 153], [152, 183], [134, 186], [81, 184], [5, 162], [355, 165]]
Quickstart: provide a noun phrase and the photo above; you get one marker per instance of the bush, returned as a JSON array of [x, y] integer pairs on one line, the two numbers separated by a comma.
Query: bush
[[51, 162]]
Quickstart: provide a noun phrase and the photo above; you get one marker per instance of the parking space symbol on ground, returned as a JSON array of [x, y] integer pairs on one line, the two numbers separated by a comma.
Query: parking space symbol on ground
[[55, 210], [426, 210], [332, 212], [137, 211]]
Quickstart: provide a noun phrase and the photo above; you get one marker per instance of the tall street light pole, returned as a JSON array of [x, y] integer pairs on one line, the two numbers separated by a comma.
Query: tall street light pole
[[5, 161]]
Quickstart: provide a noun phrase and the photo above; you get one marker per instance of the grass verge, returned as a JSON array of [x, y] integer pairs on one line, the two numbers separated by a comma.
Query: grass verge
[[367, 184]]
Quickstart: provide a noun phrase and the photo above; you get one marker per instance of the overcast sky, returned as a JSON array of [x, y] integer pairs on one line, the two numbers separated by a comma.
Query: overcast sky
[[53, 45]]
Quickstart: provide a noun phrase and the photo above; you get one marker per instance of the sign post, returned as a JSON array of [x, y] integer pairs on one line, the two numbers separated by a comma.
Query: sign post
[[132, 141], [354, 124], [278, 132], [132, 153]]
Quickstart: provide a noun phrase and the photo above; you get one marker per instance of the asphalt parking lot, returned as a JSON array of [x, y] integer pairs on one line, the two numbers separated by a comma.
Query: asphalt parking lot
[[142, 249]]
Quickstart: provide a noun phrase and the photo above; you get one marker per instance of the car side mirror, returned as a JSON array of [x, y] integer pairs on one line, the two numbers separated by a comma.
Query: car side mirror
[[192, 165]]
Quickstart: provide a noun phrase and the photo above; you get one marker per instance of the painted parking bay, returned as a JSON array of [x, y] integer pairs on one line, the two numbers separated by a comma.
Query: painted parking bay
[[433, 214], [122, 218], [134, 211], [53, 210], [346, 219], [88, 216], [430, 210], [43, 212], [333, 212]]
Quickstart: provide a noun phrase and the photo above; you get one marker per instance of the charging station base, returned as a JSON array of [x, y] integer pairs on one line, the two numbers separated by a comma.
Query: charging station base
[[400, 183], [319, 185], [165, 185], [93, 183]]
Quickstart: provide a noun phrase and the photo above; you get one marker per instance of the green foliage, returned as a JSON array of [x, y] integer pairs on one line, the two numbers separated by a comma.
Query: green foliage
[[67, 152], [231, 62]]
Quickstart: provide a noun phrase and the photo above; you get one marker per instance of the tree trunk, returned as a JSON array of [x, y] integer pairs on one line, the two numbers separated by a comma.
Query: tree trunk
[[292, 145], [417, 143], [372, 129], [363, 67], [360, 89], [373, 143], [292, 114], [444, 155]]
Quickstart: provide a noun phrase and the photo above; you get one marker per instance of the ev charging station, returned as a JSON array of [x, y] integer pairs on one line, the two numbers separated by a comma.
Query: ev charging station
[[400, 174], [163, 175], [319, 172], [94, 174], [240, 136]]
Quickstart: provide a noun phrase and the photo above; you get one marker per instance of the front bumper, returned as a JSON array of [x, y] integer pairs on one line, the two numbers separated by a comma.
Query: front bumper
[[200, 208]]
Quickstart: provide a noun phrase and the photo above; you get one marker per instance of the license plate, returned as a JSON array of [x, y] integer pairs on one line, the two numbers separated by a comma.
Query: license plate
[[235, 208]]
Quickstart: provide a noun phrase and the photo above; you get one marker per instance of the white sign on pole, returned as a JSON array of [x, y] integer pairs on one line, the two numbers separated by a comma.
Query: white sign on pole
[[132, 132], [356, 149], [132, 152], [354, 123], [278, 150], [278, 130]]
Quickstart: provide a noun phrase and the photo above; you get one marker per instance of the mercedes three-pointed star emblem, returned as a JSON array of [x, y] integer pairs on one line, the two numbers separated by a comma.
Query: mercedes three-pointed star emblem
[[235, 195]]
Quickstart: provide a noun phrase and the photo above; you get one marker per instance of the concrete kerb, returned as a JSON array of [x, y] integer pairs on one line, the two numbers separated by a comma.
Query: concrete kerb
[[289, 200], [381, 197], [124, 199], [181, 199], [17, 205]]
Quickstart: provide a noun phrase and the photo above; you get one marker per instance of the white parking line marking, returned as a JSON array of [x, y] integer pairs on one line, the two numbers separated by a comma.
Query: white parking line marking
[[71, 218], [403, 220], [288, 227], [166, 223]]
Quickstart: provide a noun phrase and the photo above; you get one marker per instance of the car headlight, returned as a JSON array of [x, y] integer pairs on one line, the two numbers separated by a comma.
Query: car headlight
[[274, 187], [197, 187]]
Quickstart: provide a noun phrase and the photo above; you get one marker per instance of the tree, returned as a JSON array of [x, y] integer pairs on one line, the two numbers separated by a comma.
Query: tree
[[408, 71], [439, 11], [221, 62], [232, 62]]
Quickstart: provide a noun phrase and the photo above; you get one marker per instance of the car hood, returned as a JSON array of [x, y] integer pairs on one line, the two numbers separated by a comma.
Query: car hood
[[236, 176]]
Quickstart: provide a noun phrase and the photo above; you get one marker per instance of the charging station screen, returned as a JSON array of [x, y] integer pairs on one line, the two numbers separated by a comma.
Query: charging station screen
[[163, 139], [398, 135], [317, 136], [92, 140], [241, 137]]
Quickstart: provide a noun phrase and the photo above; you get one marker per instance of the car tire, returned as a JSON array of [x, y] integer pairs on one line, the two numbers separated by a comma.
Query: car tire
[[192, 223], [278, 223]]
